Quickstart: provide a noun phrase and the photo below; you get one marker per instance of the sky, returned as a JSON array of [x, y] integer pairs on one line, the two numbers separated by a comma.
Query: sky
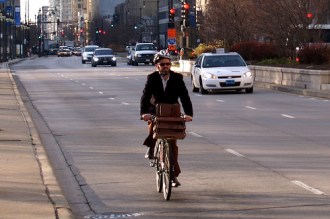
[[34, 6]]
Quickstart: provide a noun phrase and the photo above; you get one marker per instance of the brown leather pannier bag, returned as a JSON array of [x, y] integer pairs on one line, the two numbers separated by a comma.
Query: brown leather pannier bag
[[168, 122]]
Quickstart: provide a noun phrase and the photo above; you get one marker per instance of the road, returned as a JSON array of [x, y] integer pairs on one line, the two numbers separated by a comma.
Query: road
[[261, 155]]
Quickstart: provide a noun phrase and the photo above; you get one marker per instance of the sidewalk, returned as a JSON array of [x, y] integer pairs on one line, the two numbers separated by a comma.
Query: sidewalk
[[28, 187]]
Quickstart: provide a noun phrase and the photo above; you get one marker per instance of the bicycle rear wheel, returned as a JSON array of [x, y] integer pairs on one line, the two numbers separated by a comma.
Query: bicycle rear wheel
[[159, 179], [167, 169]]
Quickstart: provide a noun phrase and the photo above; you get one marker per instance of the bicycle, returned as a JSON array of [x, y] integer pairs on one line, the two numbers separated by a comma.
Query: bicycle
[[169, 125]]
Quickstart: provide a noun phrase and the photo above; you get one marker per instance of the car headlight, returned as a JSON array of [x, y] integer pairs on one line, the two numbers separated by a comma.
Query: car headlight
[[247, 75], [207, 75], [113, 58], [96, 59]]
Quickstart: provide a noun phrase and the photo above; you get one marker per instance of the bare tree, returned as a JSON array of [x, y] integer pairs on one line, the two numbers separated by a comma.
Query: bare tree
[[288, 23], [228, 20]]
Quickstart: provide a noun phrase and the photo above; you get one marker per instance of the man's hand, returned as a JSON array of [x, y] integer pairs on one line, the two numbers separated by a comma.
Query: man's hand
[[146, 117], [187, 118]]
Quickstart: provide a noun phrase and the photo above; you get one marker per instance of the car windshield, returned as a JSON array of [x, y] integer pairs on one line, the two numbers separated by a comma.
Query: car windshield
[[104, 52], [90, 49], [223, 61], [145, 47]]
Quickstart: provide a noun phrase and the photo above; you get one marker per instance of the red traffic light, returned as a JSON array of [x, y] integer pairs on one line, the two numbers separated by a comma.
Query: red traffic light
[[172, 11], [309, 15], [186, 6]]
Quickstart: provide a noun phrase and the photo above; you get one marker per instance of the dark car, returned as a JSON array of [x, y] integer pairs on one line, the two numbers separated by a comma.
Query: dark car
[[103, 56]]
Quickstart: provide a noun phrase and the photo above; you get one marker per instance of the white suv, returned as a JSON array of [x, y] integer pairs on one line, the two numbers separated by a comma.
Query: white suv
[[143, 53], [87, 53]]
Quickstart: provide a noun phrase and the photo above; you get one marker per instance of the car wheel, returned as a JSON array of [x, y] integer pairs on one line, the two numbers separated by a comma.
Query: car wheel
[[249, 90], [83, 62], [194, 89], [114, 64], [93, 65], [201, 89]]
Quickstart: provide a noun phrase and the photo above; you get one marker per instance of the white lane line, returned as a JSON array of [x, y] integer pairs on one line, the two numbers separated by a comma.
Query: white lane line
[[287, 116], [250, 107], [100, 92], [124, 103], [92, 88], [307, 187], [234, 152], [195, 134], [83, 84], [198, 95], [77, 81], [111, 98], [221, 101]]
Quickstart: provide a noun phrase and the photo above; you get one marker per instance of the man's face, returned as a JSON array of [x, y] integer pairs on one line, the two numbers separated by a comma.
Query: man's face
[[164, 66]]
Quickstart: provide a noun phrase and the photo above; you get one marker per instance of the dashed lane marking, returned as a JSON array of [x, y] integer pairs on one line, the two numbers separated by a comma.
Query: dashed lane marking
[[287, 116], [234, 152], [221, 101], [307, 187], [195, 134], [250, 107]]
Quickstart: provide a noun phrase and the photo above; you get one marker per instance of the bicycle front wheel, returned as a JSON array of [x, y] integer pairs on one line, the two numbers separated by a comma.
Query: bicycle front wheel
[[167, 169], [159, 179]]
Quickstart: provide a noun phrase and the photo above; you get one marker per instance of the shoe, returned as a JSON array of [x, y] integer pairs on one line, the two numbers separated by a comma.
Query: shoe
[[175, 182], [150, 154]]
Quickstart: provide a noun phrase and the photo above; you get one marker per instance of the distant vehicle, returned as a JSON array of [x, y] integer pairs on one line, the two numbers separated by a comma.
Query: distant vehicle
[[221, 71], [143, 53], [63, 52], [130, 51], [103, 56], [87, 53], [77, 51]]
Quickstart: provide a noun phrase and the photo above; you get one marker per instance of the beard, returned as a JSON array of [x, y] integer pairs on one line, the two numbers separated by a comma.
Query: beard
[[164, 73]]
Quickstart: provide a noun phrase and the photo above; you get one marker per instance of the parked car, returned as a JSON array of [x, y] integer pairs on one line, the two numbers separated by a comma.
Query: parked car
[[87, 53], [221, 71], [63, 52], [103, 56]]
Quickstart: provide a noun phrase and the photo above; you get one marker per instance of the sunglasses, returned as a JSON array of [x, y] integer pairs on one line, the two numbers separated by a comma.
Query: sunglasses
[[163, 64]]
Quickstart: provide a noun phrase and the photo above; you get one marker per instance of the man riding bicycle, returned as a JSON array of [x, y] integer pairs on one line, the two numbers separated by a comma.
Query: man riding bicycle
[[164, 86]]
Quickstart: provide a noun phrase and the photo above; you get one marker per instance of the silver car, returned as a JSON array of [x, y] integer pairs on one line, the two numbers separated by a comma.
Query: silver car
[[221, 71]]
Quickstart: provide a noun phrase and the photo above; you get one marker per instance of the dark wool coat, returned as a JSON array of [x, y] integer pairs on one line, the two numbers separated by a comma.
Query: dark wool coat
[[154, 93]]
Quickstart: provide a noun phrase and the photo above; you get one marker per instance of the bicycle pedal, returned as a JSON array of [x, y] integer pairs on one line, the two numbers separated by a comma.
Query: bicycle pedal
[[152, 164]]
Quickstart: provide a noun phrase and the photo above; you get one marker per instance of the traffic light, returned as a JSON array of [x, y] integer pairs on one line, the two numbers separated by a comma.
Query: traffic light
[[171, 16], [58, 22], [309, 15], [185, 13]]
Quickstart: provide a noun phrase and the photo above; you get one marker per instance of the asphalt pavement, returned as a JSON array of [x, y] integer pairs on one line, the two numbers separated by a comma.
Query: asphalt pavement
[[28, 187]]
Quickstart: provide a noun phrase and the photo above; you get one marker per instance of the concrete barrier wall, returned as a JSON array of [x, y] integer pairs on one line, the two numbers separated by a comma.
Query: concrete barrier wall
[[300, 78]]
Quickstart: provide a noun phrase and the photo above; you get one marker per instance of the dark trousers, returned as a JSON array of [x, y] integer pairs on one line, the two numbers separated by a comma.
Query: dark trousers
[[151, 142]]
